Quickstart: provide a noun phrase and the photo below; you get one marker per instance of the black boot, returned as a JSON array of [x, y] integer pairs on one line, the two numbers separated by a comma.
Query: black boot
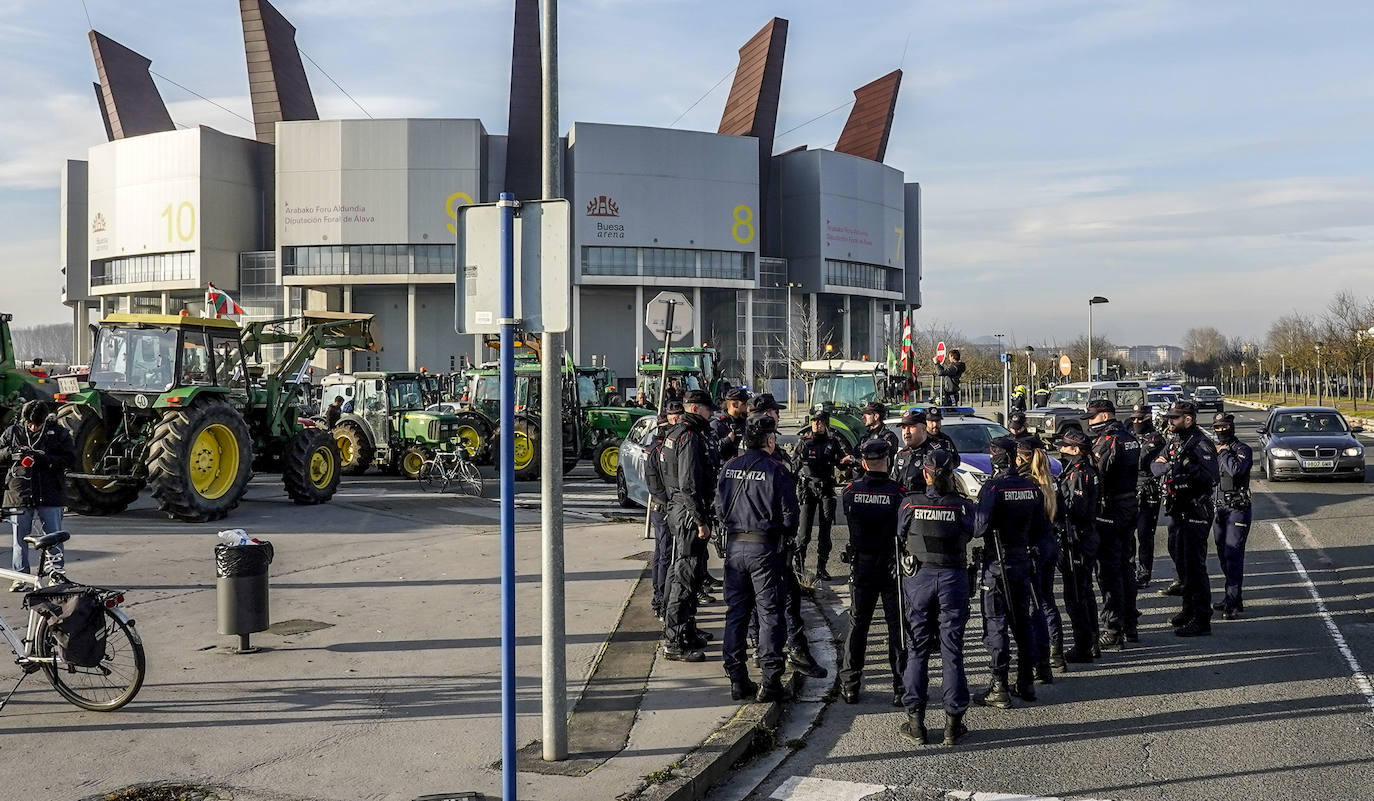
[[1079, 656], [1043, 673], [1194, 628], [1179, 619], [1142, 578], [743, 690], [771, 691], [1057, 657], [914, 729], [899, 697], [1111, 641], [676, 653], [821, 573], [799, 657], [954, 728], [1025, 690], [996, 695], [1175, 588]]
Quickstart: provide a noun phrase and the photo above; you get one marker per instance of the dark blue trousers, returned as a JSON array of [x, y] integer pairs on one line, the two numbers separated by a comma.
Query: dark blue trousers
[[1048, 619], [1230, 530], [936, 611], [1188, 530], [872, 577], [1078, 553], [1116, 528], [663, 553], [1009, 617], [815, 504], [680, 594], [753, 582], [791, 611]]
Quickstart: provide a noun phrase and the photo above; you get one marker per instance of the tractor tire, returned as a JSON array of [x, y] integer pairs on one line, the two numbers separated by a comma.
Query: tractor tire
[[475, 436], [89, 439], [526, 436], [310, 468], [355, 452], [606, 459], [200, 461], [412, 459]]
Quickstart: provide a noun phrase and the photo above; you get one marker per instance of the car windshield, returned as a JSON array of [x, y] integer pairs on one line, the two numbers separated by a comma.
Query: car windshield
[[1068, 396], [1162, 397], [405, 393], [844, 389], [141, 359], [974, 437], [1206, 392], [1308, 423]]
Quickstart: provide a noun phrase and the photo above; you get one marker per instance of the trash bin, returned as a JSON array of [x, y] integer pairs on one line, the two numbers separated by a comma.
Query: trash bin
[[241, 589]]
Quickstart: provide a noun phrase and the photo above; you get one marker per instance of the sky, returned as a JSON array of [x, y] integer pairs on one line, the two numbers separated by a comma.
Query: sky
[[1198, 163]]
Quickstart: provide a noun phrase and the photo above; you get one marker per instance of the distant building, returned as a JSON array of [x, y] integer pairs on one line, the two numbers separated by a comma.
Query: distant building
[[1156, 356]]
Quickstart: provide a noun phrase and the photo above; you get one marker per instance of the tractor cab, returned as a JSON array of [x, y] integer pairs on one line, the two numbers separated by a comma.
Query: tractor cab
[[842, 387], [389, 426], [704, 362]]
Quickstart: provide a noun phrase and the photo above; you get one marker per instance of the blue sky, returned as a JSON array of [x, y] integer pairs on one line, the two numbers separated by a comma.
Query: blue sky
[[1196, 162]]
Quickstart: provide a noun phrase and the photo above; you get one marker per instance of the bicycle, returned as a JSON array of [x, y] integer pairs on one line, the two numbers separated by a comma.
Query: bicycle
[[449, 468], [103, 688]]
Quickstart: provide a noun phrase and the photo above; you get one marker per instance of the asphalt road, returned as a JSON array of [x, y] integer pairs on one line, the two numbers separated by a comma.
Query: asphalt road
[[1270, 706]]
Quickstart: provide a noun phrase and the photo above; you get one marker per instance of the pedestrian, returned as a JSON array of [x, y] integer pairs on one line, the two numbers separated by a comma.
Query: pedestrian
[[1147, 492], [1010, 516], [816, 458], [908, 466], [1116, 455], [1189, 472], [938, 438], [658, 504], [936, 526], [36, 454], [1033, 462], [756, 502], [1231, 527], [689, 477], [333, 412], [951, 372], [871, 505], [728, 426], [1077, 491]]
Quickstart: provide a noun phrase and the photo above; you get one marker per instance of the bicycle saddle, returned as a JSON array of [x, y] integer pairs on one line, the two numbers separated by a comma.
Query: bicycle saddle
[[48, 540]]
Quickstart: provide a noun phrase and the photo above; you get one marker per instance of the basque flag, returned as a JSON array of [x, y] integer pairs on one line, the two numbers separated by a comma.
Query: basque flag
[[219, 303], [908, 355]]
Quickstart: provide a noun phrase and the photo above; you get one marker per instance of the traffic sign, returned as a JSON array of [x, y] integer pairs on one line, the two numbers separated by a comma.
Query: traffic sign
[[940, 353], [1033, 369], [542, 247], [656, 315], [1065, 365]]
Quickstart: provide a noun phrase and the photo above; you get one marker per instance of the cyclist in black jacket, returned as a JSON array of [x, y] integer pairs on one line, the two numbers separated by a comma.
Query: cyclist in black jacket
[[817, 456], [689, 477], [1076, 518], [1147, 492], [36, 453]]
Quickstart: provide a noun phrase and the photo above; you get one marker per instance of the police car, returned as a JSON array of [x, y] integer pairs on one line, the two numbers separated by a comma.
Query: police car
[[972, 435]]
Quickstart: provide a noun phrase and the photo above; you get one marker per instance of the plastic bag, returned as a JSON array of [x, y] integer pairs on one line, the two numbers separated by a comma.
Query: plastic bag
[[243, 560], [237, 536]]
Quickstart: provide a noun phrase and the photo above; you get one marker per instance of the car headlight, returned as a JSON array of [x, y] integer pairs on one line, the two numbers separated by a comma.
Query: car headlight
[[1282, 453], [1355, 451]]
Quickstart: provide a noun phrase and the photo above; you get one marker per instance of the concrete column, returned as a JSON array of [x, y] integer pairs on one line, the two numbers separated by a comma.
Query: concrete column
[[639, 325], [166, 303], [411, 333], [848, 326], [749, 338], [577, 324], [696, 318], [347, 307]]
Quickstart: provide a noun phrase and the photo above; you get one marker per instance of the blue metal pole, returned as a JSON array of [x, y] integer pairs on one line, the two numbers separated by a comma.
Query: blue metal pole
[[508, 772]]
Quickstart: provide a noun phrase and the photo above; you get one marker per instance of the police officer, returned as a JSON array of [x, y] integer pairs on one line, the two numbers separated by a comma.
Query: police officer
[[871, 504], [1033, 463], [873, 414], [1010, 516], [1116, 455], [658, 503], [689, 477], [1147, 492], [936, 526], [908, 465], [756, 503], [1189, 472], [728, 426], [765, 403], [816, 458], [1016, 423], [1231, 527], [1076, 501], [939, 439]]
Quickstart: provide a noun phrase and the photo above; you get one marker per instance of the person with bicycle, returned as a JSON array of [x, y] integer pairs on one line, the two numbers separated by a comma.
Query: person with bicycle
[[35, 452]]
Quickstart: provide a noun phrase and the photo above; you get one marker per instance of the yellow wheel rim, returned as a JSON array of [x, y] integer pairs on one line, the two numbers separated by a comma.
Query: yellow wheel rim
[[610, 460], [470, 439], [321, 468], [524, 451], [345, 448], [411, 463], [214, 461]]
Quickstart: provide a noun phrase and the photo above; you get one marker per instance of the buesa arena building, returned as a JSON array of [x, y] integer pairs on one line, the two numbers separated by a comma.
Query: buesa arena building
[[359, 214]]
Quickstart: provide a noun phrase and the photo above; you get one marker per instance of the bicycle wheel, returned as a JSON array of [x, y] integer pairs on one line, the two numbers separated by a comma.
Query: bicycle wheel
[[468, 478], [111, 684], [431, 475]]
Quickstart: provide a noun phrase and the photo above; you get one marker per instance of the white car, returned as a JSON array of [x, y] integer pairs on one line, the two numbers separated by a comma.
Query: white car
[[972, 435]]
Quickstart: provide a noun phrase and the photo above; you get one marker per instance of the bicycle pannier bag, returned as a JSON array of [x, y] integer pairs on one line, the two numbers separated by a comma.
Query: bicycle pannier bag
[[74, 615]]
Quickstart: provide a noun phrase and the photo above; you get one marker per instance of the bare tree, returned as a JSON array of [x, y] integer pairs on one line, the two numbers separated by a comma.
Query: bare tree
[[51, 343]]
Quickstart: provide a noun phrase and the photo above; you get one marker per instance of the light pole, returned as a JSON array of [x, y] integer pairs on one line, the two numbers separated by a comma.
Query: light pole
[[1093, 301], [1283, 375], [1319, 373], [1030, 378], [790, 286], [1006, 378], [1260, 361]]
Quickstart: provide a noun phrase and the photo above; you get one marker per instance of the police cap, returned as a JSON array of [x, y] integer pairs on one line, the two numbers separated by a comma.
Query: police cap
[[1140, 411], [1181, 408], [1098, 406], [934, 414], [1072, 436], [822, 416], [1002, 445], [1224, 419], [939, 462], [737, 394], [674, 407], [914, 417], [876, 448], [765, 402], [873, 407], [1017, 419], [698, 396], [759, 425], [1028, 444]]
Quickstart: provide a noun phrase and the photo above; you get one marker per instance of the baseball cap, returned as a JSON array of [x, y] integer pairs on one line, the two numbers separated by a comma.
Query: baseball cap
[[876, 448], [1224, 419], [759, 424], [914, 417], [765, 402], [1097, 406], [1002, 444], [1072, 437], [698, 396], [737, 394], [822, 416], [1140, 410], [873, 407], [1017, 418], [938, 461], [934, 414], [1180, 408], [674, 406]]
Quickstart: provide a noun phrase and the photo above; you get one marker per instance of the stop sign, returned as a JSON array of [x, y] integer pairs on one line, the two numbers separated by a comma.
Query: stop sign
[[940, 353]]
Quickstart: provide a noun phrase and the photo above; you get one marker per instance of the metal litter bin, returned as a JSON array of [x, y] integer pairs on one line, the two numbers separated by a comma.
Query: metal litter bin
[[241, 590]]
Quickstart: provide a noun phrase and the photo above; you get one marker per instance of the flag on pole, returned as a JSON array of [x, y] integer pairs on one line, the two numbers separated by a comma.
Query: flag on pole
[[908, 354], [218, 302]]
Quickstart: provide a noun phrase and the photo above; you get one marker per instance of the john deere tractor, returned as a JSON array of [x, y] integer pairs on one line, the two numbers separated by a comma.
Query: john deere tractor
[[388, 427], [16, 384], [702, 362], [842, 387], [171, 406]]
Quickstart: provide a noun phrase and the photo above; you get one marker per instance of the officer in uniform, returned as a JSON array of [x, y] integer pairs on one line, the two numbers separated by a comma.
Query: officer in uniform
[[873, 414], [689, 477], [936, 526], [728, 426], [816, 458], [1010, 516], [1016, 423], [765, 403], [908, 464], [1078, 489], [1231, 527], [1116, 455], [1189, 472], [1147, 492], [1033, 463], [658, 503], [756, 502], [871, 504], [939, 439]]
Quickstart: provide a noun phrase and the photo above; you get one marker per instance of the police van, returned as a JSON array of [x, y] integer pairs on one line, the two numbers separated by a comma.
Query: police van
[[1067, 403]]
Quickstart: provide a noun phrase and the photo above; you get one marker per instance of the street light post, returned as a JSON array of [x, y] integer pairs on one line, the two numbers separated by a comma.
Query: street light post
[[1319, 374], [1283, 375], [790, 286], [1093, 301], [1030, 378]]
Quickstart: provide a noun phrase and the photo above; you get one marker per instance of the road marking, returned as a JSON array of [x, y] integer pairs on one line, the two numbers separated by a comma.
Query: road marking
[[809, 788], [1362, 681]]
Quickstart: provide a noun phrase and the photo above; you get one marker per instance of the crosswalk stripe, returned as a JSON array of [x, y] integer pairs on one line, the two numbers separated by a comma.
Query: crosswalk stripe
[[812, 788]]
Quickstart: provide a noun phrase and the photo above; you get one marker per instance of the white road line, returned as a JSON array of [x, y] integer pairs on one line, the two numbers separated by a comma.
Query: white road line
[[809, 788], [1362, 681]]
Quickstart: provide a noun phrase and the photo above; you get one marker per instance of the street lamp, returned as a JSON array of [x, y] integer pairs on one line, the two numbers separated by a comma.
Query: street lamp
[[1319, 373], [1030, 378], [1283, 375], [1093, 301], [790, 286]]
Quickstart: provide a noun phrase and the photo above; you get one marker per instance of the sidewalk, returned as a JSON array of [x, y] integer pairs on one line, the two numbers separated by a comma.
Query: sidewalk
[[382, 678]]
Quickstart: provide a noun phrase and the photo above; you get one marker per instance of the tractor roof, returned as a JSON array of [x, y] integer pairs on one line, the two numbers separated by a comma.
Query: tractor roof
[[169, 321], [841, 366]]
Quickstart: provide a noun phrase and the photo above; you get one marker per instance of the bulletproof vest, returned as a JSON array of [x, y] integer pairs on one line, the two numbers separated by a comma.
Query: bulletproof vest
[[1151, 445], [907, 467], [938, 528], [725, 424], [1229, 483], [872, 503], [689, 434], [881, 433], [1016, 502], [1121, 475], [819, 456]]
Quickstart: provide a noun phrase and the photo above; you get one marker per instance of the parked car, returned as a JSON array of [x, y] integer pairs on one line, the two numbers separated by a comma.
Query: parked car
[[972, 435], [1067, 403], [1208, 398], [630, 489], [1310, 442]]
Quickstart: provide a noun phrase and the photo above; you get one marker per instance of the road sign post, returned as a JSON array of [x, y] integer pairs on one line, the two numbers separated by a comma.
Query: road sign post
[[507, 445]]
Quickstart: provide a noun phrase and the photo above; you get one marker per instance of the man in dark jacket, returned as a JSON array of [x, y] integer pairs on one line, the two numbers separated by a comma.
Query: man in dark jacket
[[658, 504], [36, 452], [939, 440], [908, 464], [1076, 518], [689, 476], [1232, 523], [1116, 455], [333, 412], [728, 426], [951, 373], [1147, 491], [817, 456], [1189, 472]]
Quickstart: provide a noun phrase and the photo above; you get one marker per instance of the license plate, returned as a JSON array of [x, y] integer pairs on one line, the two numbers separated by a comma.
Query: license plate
[[1311, 464]]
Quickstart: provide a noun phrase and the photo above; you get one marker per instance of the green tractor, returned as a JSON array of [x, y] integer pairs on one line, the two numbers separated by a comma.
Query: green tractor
[[604, 423], [389, 427], [17, 385], [703, 362], [842, 387], [171, 406]]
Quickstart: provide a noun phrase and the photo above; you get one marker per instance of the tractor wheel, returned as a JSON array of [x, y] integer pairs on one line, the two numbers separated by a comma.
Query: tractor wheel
[[605, 460], [85, 496], [474, 435], [200, 461], [412, 459], [355, 452], [310, 467], [526, 436]]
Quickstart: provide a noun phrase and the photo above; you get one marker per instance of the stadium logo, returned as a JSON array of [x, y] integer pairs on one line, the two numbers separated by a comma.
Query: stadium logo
[[602, 206], [98, 224]]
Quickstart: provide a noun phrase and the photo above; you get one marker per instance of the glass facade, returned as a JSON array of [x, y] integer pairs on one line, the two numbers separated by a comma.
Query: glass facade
[[770, 319], [142, 269], [368, 260], [668, 263], [862, 276], [260, 294]]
